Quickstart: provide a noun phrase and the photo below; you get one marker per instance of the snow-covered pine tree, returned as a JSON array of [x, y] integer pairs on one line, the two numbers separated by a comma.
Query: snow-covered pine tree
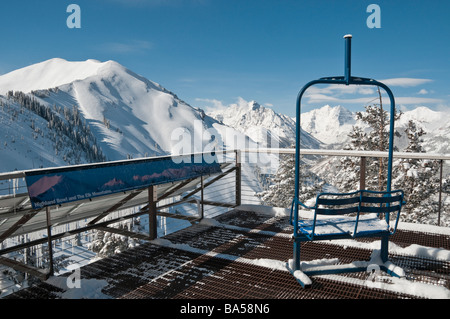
[[282, 187], [419, 179], [376, 138], [107, 244]]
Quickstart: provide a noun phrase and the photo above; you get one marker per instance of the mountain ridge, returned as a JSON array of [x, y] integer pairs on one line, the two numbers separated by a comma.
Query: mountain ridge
[[127, 115], [125, 111], [332, 125], [265, 126]]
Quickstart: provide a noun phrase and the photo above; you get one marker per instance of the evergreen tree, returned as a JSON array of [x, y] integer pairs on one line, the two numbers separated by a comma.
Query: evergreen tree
[[376, 138], [107, 244], [282, 187], [69, 130], [418, 178]]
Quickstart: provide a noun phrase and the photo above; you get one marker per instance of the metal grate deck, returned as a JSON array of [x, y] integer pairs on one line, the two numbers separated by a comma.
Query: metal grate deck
[[207, 261]]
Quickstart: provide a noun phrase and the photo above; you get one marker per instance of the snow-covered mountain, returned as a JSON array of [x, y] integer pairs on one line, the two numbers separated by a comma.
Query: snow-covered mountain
[[75, 112], [436, 126], [48, 74], [262, 124], [331, 125], [126, 115], [129, 115]]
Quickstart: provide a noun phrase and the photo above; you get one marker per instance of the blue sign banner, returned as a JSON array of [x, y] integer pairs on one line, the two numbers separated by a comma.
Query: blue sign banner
[[67, 184]]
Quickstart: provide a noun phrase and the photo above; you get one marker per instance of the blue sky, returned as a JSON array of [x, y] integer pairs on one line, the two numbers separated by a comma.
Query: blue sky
[[211, 52]]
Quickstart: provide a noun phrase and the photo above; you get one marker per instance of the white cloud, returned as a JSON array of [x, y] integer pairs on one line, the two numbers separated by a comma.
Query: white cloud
[[417, 100], [214, 105], [405, 82], [322, 98], [406, 100], [129, 47], [339, 94], [340, 89], [422, 92]]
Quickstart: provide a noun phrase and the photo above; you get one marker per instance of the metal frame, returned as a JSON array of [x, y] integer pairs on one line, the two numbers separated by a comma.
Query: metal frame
[[347, 79], [22, 211]]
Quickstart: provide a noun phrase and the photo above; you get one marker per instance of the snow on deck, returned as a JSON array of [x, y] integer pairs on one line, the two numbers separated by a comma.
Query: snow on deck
[[242, 254]]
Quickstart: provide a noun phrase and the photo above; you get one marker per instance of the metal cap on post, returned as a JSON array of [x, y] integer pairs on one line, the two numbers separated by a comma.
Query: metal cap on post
[[348, 57]]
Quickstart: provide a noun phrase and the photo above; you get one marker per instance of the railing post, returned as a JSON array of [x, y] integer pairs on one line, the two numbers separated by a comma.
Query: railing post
[[362, 173], [440, 192], [238, 177], [49, 241], [202, 208], [152, 223]]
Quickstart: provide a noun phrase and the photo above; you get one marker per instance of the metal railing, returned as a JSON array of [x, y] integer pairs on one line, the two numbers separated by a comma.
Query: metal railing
[[363, 155]]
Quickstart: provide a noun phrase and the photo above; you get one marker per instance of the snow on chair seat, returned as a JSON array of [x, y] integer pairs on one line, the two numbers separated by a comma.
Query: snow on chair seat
[[351, 215]]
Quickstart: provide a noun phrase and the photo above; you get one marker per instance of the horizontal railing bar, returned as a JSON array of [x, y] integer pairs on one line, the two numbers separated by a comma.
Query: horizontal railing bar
[[324, 152], [306, 151]]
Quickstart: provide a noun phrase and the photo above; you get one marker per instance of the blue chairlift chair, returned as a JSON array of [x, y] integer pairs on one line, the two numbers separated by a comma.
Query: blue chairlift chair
[[345, 215]]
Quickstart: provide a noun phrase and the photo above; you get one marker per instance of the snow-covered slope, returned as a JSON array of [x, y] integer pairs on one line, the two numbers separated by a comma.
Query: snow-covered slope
[[262, 124], [129, 115], [436, 126], [25, 141], [77, 112]]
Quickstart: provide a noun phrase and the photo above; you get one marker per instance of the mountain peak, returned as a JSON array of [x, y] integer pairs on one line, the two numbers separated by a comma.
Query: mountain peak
[[262, 124], [320, 122], [254, 105], [128, 114], [51, 73]]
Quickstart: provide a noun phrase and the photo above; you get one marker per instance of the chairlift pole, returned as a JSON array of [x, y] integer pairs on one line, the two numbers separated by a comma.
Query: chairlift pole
[[348, 58]]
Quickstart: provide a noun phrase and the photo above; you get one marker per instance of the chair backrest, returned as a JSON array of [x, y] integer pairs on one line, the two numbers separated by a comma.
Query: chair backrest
[[361, 202], [364, 201], [338, 204], [381, 202]]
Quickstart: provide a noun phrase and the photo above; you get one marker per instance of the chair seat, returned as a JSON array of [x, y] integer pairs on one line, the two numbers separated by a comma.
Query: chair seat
[[368, 224]]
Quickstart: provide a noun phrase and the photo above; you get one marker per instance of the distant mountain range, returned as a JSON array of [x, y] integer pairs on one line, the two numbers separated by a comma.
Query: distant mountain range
[[331, 125], [263, 125]]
